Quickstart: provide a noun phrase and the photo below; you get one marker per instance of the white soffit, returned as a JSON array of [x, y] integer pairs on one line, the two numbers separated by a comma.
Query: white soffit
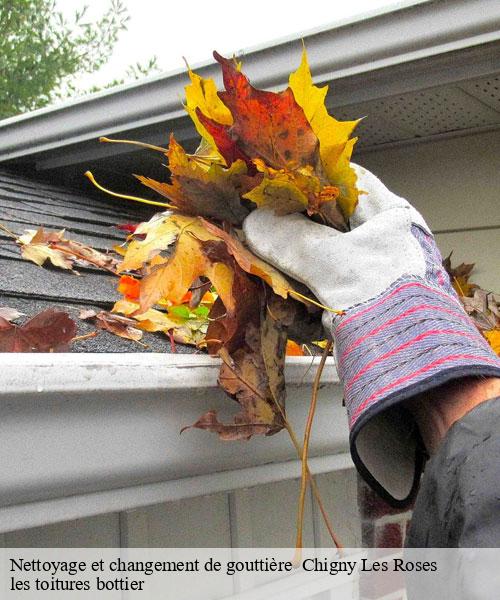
[[447, 110]]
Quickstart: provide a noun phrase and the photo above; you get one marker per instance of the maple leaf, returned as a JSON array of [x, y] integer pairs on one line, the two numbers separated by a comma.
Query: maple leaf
[[251, 263], [199, 190], [160, 233], [116, 324], [36, 247], [266, 125], [253, 376], [171, 278], [460, 276], [335, 145], [40, 246], [227, 146], [295, 191], [202, 96], [284, 191], [49, 331]]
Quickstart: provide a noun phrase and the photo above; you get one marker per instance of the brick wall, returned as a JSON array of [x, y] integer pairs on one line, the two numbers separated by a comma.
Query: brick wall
[[381, 527]]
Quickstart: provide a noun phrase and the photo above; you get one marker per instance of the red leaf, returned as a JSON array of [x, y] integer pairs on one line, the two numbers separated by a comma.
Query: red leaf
[[128, 227], [227, 146], [50, 330], [266, 125]]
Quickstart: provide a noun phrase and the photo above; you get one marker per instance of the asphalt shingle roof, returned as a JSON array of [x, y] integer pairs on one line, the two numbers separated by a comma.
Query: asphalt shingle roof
[[29, 204]]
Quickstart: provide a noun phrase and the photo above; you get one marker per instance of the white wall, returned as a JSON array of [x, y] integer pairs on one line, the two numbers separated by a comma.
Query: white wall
[[262, 516], [455, 184]]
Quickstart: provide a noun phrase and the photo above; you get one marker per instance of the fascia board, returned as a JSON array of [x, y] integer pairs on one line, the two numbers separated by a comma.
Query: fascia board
[[86, 434], [349, 51], [47, 374]]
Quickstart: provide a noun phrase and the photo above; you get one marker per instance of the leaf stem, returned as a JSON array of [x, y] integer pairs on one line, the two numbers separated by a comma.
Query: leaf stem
[[89, 175], [298, 448], [311, 301], [305, 451], [134, 143], [9, 232]]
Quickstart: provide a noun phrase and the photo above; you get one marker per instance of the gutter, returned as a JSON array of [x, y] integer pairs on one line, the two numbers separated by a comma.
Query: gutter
[[85, 434], [366, 58]]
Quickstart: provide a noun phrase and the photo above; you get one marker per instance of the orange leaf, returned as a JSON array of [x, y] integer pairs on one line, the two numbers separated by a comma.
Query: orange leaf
[[266, 125], [293, 349], [129, 287]]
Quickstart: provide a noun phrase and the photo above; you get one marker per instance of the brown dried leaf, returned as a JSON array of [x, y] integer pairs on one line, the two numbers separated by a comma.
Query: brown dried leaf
[[49, 331], [251, 263], [40, 246], [199, 189], [116, 324], [253, 373], [460, 276]]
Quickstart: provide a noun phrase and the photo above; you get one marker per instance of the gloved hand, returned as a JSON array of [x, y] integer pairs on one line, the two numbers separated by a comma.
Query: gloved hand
[[404, 331]]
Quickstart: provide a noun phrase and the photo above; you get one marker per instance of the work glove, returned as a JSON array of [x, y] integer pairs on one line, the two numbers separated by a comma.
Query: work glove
[[403, 331]]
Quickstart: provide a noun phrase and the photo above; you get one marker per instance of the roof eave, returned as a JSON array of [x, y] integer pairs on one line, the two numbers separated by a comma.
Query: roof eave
[[373, 50]]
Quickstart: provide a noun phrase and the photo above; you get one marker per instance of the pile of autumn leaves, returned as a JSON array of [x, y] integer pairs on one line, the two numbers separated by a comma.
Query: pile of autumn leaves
[[258, 148]]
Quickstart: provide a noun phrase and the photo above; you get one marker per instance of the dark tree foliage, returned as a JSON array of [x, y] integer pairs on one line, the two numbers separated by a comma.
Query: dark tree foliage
[[42, 53]]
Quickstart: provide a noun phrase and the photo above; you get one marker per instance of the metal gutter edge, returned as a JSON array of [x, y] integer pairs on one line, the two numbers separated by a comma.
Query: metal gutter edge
[[353, 48], [45, 374], [45, 512]]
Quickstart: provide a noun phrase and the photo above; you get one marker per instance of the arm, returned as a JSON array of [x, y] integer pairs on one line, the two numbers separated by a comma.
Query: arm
[[437, 411]]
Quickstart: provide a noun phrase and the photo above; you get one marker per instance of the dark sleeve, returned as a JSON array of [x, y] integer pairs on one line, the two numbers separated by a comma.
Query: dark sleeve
[[458, 504]]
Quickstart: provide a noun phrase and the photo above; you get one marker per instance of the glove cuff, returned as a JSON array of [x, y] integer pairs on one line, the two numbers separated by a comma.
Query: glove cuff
[[410, 339]]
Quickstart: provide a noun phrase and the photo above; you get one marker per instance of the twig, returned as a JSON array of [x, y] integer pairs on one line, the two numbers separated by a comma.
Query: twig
[[87, 336]]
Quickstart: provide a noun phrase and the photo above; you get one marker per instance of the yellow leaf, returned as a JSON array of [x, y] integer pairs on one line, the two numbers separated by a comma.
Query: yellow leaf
[[279, 193], [493, 337], [38, 253], [171, 278], [345, 179], [335, 148], [202, 93], [150, 320], [160, 234]]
